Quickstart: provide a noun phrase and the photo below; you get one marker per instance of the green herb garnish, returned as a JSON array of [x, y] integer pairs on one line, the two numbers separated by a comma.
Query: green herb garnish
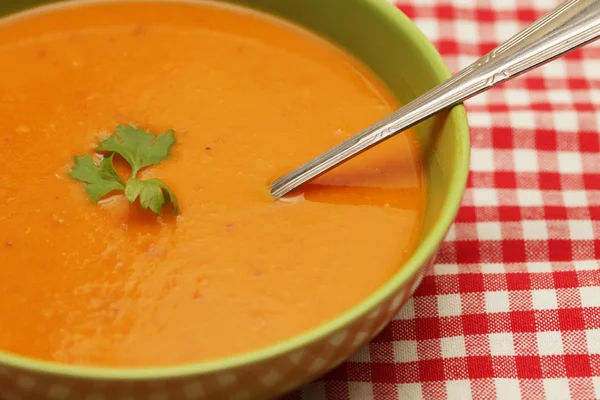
[[140, 149], [150, 193]]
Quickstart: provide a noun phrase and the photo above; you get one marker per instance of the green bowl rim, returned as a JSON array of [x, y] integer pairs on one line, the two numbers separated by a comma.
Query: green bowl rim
[[424, 252]]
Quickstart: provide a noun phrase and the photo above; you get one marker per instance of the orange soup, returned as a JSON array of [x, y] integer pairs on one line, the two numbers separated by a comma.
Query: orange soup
[[249, 97]]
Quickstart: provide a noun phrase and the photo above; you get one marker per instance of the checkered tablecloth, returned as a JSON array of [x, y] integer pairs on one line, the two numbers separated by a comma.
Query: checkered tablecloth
[[512, 307]]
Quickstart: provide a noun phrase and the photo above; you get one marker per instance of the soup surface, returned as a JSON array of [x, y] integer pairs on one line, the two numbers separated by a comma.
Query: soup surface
[[249, 97]]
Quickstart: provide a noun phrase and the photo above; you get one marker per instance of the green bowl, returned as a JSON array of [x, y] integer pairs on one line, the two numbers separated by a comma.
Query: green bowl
[[388, 42]]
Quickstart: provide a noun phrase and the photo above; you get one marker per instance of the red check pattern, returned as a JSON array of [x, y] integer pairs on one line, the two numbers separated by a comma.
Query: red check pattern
[[512, 307]]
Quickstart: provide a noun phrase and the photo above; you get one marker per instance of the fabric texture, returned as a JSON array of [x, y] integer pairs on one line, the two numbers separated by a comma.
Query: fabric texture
[[511, 308]]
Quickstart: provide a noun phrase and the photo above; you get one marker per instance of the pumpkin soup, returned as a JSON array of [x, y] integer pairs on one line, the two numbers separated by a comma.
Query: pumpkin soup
[[248, 97]]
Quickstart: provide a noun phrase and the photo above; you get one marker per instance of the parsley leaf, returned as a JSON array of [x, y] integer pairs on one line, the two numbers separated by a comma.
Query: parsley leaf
[[99, 179], [151, 194], [138, 147]]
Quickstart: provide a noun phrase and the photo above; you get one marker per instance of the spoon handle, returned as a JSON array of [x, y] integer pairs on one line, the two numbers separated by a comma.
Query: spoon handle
[[569, 26]]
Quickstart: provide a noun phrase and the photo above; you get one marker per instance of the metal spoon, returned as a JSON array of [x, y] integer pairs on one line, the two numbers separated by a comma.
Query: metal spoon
[[571, 25]]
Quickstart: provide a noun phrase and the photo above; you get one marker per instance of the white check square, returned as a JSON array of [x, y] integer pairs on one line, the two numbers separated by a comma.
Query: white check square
[[507, 388], [575, 198], [529, 197], [544, 299], [590, 296], [449, 305], [560, 96], [497, 302], [566, 121], [550, 343], [534, 230], [581, 230], [569, 162], [556, 69], [522, 119], [591, 68], [593, 340], [502, 344], [489, 231], [539, 266], [409, 391], [556, 389], [482, 160], [525, 160], [480, 119], [505, 5], [360, 390], [453, 347], [468, 31], [485, 197], [459, 390], [406, 351], [518, 97], [596, 380]]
